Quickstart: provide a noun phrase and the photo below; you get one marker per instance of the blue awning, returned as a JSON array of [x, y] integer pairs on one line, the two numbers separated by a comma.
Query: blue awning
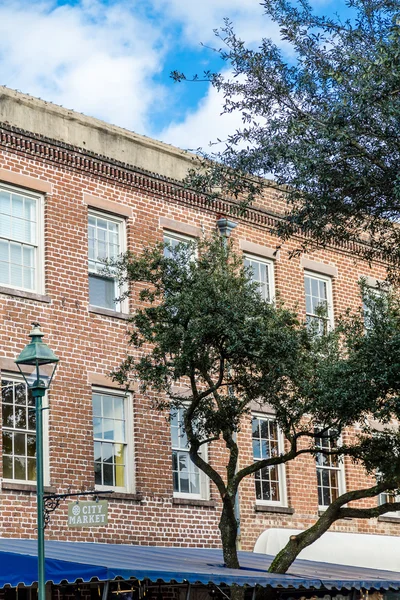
[[72, 561]]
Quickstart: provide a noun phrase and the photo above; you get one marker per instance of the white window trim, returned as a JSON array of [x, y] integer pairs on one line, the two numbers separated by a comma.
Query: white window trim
[[129, 487], [328, 280], [39, 287], [121, 221], [281, 468], [393, 514], [204, 480], [45, 413], [379, 293], [179, 237], [271, 272], [341, 476]]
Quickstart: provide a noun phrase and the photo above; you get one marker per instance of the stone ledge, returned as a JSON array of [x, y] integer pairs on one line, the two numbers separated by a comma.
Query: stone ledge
[[392, 519], [23, 294], [284, 510], [105, 312], [25, 487], [122, 496], [194, 502]]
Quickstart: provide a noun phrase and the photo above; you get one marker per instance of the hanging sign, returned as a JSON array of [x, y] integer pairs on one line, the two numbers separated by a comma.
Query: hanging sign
[[88, 513]]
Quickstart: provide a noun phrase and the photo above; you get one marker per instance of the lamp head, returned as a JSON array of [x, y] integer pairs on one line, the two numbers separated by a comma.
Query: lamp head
[[37, 363]]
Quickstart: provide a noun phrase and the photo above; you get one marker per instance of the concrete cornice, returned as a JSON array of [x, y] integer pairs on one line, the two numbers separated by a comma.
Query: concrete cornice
[[75, 129], [79, 159], [86, 144]]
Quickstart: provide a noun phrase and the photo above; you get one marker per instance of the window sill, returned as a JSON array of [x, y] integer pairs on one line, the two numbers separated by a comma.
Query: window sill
[[25, 487], [108, 313], [284, 510], [321, 511], [391, 519], [121, 496], [194, 502], [23, 294]]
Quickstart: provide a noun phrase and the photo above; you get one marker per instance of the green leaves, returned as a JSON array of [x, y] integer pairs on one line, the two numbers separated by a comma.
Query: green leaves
[[324, 123], [203, 340]]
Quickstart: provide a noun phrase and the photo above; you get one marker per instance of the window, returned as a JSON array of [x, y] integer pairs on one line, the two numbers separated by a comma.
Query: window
[[330, 472], [188, 480], [112, 439], [318, 291], [262, 273], [390, 498], [267, 443], [172, 240], [21, 239], [19, 431], [106, 241], [373, 300]]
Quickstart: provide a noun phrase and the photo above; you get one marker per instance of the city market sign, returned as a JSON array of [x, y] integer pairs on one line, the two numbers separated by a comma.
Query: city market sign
[[88, 513]]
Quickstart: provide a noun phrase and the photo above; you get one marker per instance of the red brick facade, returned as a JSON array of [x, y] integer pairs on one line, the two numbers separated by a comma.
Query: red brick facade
[[91, 342]]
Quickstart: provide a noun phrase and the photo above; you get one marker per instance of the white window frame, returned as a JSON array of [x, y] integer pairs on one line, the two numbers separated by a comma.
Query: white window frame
[[394, 514], [129, 452], [271, 273], [121, 222], [39, 279], [204, 481], [378, 292], [45, 415], [179, 237], [329, 296], [340, 470], [281, 468]]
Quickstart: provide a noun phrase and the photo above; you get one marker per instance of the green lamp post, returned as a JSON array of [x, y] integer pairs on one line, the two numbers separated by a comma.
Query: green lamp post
[[37, 364]]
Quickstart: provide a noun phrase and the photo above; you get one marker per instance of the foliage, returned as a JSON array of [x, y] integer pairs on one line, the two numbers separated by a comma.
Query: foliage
[[206, 342], [325, 122]]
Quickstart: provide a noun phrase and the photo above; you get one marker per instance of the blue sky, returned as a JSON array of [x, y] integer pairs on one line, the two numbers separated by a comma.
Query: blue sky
[[112, 59]]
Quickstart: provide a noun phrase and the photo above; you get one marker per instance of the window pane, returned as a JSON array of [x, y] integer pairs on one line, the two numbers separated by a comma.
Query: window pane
[[31, 445], [20, 417], [5, 203], [97, 473], [104, 243], [7, 442], [97, 427], [17, 445], [328, 470], [109, 457], [266, 445], [102, 292], [260, 275], [20, 467], [31, 469], [96, 405], [17, 206], [7, 467], [108, 475], [8, 416]]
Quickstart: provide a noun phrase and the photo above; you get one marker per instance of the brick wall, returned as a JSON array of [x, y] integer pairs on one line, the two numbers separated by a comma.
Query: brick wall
[[89, 345]]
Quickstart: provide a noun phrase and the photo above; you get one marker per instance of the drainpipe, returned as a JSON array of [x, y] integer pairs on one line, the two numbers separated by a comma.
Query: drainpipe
[[226, 227]]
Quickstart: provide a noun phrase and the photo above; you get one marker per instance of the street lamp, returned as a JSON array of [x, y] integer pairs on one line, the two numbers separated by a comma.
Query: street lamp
[[37, 364]]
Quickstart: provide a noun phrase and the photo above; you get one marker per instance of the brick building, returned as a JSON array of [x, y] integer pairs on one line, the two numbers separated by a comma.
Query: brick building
[[73, 188]]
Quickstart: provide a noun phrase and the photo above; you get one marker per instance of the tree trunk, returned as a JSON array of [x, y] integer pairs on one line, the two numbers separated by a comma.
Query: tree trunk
[[228, 527], [285, 557], [297, 543]]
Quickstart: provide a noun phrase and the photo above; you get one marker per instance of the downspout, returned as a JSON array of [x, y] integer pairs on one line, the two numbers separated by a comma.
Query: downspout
[[226, 227]]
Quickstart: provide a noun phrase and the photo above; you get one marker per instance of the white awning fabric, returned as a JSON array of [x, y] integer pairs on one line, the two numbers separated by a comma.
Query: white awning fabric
[[353, 549]]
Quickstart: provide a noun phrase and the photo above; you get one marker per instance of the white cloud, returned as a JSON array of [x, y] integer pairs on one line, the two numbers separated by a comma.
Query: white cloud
[[95, 60], [102, 57], [199, 19], [203, 125]]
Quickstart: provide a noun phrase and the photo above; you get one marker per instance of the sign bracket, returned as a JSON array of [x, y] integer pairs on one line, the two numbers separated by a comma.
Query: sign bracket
[[52, 501]]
